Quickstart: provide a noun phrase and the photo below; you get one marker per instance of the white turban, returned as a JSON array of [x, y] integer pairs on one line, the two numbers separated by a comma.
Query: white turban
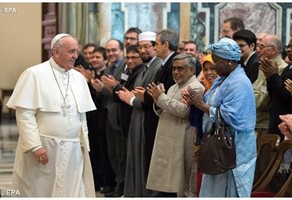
[[57, 37], [148, 35]]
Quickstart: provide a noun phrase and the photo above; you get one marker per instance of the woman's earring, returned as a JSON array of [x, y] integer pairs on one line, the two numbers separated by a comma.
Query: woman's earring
[[229, 63]]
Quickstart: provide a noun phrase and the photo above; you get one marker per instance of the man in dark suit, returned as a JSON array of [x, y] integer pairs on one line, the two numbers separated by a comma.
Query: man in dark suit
[[246, 40], [115, 138], [280, 97], [166, 46]]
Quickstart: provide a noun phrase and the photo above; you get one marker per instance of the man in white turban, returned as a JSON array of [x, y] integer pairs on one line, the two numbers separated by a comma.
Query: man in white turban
[[139, 148], [51, 100]]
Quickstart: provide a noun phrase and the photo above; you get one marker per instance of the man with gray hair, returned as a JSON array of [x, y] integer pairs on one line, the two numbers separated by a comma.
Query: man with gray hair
[[169, 167], [51, 101], [270, 48], [280, 99], [166, 46], [273, 67]]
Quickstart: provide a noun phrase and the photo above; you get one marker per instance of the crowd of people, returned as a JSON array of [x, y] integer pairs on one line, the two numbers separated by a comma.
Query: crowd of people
[[126, 118]]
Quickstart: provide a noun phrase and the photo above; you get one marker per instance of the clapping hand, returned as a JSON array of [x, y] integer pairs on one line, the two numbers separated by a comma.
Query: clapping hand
[[88, 74], [185, 97], [109, 81], [268, 68], [196, 97], [155, 90], [125, 95], [288, 85], [139, 92], [286, 125], [97, 84]]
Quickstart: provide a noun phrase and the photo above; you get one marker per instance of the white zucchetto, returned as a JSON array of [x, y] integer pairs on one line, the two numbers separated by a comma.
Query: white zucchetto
[[57, 37], [148, 35]]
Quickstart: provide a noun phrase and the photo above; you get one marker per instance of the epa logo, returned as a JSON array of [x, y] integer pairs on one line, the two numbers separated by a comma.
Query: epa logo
[[8, 10], [9, 193]]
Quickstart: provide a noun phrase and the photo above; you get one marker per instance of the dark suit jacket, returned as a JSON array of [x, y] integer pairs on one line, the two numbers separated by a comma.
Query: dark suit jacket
[[126, 110], [280, 99], [112, 107], [96, 118], [252, 67]]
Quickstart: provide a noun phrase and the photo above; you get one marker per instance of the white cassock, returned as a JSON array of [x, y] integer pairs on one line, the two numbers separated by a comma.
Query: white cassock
[[43, 119]]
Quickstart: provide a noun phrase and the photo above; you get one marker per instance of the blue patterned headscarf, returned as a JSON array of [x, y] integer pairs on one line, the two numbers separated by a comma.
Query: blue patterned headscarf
[[226, 48]]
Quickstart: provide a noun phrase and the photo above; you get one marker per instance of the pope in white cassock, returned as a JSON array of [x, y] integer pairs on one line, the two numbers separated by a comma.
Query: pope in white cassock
[[51, 100]]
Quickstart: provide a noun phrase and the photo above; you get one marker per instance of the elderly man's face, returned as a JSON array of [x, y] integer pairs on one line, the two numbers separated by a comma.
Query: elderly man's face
[[180, 72], [265, 50], [67, 53]]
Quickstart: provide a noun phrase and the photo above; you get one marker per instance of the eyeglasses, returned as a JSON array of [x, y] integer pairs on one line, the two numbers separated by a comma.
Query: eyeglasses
[[132, 57], [130, 38], [289, 46], [242, 45], [145, 46], [261, 46]]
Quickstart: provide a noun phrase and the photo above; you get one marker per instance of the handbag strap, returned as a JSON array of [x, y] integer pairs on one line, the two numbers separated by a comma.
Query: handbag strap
[[222, 123]]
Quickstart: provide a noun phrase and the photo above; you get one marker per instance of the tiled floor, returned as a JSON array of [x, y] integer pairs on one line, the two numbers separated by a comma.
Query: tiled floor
[[8, 142]]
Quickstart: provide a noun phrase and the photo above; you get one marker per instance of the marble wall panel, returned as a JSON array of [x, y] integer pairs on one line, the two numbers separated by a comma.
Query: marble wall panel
[[258, 17], [193, 20]]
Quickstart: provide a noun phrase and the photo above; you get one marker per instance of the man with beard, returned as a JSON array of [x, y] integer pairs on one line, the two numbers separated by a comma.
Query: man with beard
[[137, 163]]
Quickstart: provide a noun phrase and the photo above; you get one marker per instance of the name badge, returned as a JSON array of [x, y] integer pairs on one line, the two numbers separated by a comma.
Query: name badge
[[124, 77]]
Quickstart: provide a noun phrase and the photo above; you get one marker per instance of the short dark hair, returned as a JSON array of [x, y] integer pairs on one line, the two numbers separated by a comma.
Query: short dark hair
[[101, 50], [247, 35], [235, 23], [133, 29], [132, 48], [89, 45]]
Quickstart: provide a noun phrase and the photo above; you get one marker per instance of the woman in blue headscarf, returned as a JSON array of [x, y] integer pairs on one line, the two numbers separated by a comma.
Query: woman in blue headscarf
[[233, 94]]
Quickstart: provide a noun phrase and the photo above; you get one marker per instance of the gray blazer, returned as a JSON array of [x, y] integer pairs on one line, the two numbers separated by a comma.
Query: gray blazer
[[112, 107]]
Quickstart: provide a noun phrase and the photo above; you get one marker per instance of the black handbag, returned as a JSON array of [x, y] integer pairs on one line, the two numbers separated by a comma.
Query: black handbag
[[217, 151]]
